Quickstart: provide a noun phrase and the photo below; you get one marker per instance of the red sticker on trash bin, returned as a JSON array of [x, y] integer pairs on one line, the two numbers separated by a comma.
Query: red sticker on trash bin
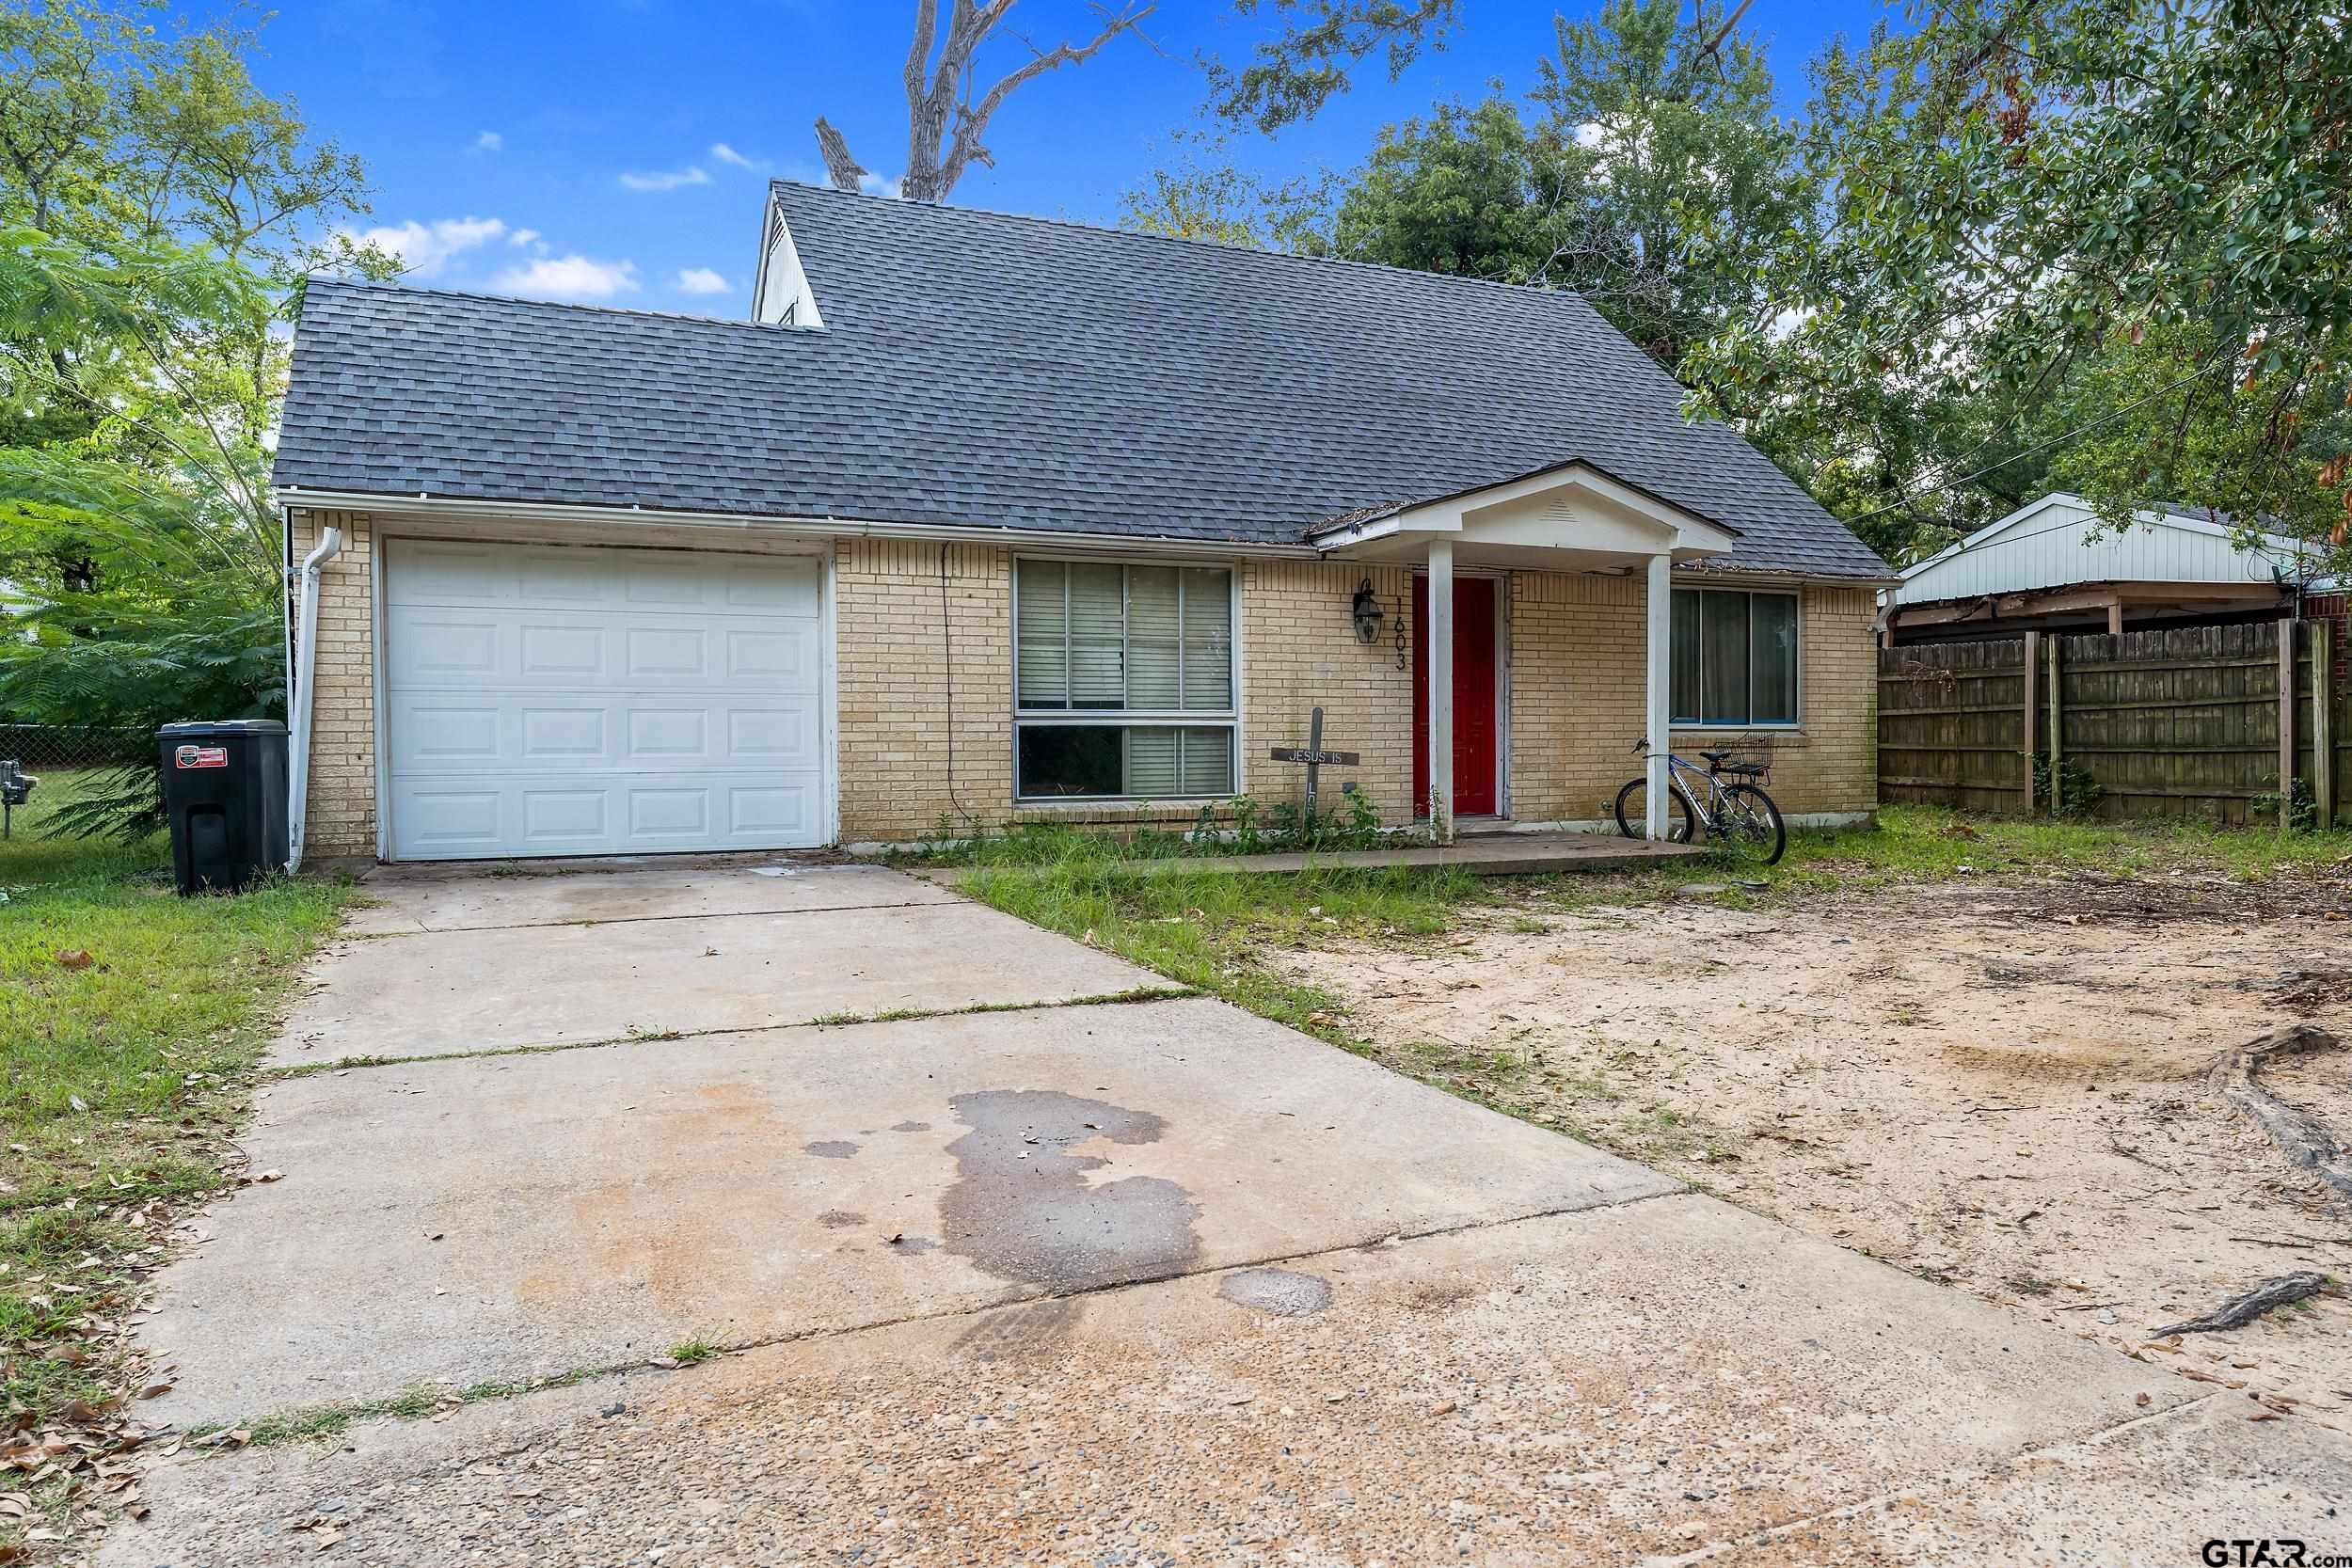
[[200, 757]]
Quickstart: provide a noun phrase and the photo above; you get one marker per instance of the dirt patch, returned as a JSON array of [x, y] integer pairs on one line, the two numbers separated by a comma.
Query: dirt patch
[[1997, 1087]]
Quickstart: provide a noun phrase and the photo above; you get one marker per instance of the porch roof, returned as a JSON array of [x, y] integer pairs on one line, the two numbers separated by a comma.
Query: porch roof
[[1574, 515]]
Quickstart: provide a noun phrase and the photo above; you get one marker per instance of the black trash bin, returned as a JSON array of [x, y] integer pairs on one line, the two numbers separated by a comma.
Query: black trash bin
[[225, 792]]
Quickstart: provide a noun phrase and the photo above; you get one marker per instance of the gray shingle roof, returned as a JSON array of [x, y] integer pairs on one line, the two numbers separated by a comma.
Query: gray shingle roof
[[982, 369]]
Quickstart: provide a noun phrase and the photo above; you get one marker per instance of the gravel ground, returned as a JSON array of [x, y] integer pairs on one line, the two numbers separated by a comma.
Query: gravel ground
[[1644, 1382]]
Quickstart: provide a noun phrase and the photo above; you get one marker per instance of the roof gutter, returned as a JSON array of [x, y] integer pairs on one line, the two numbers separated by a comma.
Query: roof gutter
[[827, 527]]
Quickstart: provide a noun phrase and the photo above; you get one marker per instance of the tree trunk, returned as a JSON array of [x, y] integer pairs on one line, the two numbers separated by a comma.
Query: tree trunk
[[945, 119]]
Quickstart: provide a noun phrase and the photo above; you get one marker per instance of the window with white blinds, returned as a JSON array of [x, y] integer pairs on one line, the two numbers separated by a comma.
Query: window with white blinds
[[1123, 680]]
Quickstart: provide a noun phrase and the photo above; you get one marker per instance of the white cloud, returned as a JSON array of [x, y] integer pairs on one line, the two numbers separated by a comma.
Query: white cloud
[[874, 184], [489, 141], [523, 237], [569, 278], [701, 280], [427, 248], [668, 180], [1590, 134], [727, 154]]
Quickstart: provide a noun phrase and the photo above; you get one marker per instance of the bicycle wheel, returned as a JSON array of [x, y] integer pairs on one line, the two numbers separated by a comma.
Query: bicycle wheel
[[1751, 827], [1634, 812]]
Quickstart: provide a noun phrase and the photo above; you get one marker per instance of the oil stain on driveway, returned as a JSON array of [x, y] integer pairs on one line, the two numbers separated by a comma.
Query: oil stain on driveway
[[1022, 1209]]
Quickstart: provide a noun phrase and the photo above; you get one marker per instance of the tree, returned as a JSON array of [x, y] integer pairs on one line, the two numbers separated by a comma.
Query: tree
[[2034, 202], [1467, 190], [155, 209], [1202, 193], [1293, 75], [947, 112], [149, 582], [1688, 178]]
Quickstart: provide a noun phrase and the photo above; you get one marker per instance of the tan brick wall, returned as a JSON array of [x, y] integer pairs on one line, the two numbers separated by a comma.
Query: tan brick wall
[[1576, 701], [1577, 678], [1299, 650], [893, 693], [1575, 694], [1836, 767], [342, 711]]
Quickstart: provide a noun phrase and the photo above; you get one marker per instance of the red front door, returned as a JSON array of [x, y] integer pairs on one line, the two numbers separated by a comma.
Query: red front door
[[1476, 746]]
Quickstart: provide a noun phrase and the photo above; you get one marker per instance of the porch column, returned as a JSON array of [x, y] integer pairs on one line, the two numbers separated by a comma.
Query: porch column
[[1441, 688], [1658, 706]]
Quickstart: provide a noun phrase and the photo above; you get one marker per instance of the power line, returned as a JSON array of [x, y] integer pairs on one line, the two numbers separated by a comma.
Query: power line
[[2039, 446]]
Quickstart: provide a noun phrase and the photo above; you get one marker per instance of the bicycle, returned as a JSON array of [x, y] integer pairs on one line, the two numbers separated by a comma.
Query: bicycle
[[1738, 817]]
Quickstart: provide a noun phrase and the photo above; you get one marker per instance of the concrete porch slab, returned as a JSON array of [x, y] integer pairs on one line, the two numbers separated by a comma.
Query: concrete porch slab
[[513, 1217], [403, 899], [1671, 1381], [444, 992]]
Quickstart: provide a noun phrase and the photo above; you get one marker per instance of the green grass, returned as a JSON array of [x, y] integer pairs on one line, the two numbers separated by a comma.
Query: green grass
[[1928, 842], [1211, 929], [303, 1423], [120, 1080]]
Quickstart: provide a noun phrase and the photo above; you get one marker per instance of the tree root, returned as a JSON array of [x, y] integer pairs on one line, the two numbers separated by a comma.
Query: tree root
[[2302, 1138], [2239, 1311]]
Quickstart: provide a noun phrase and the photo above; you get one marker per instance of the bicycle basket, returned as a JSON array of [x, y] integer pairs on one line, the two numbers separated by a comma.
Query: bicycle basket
[[1747, 771]]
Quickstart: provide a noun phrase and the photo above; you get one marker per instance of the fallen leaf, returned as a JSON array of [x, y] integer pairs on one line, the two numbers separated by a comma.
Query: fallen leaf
[[75, 958], [155, 1390], [269, 1176]]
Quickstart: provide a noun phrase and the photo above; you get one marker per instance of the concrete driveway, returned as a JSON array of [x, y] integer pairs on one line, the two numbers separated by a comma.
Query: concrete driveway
[[1061, 1266]]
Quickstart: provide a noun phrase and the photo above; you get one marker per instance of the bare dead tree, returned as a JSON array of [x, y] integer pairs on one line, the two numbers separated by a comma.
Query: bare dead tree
[[844, 170], [947, 112]]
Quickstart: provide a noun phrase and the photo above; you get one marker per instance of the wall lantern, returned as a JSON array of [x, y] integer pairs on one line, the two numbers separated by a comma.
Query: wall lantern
[[1367, 613]]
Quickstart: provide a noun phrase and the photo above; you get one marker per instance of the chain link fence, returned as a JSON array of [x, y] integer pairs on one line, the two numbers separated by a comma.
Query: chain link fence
[[66, 748]]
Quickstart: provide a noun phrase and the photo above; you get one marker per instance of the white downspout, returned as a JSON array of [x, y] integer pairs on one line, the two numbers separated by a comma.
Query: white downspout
[[305, 666]]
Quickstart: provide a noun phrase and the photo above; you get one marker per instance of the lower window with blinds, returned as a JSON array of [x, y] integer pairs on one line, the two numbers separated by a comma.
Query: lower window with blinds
[[1735, 658], [1123, 681]]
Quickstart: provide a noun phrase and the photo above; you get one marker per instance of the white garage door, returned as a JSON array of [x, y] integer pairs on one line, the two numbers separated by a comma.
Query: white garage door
[[547, 700]]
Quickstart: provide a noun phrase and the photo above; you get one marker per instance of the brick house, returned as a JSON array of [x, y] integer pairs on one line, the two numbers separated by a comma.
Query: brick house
[[984, 517]]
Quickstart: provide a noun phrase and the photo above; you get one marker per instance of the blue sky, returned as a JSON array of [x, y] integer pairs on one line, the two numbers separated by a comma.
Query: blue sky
[[614, 150]]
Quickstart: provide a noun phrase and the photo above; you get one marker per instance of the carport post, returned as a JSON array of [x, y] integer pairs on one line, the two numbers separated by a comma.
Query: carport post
[[1441, 689], [1659, 705]]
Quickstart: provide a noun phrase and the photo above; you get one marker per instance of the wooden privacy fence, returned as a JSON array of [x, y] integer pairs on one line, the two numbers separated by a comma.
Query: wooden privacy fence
[[2200, 721]]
